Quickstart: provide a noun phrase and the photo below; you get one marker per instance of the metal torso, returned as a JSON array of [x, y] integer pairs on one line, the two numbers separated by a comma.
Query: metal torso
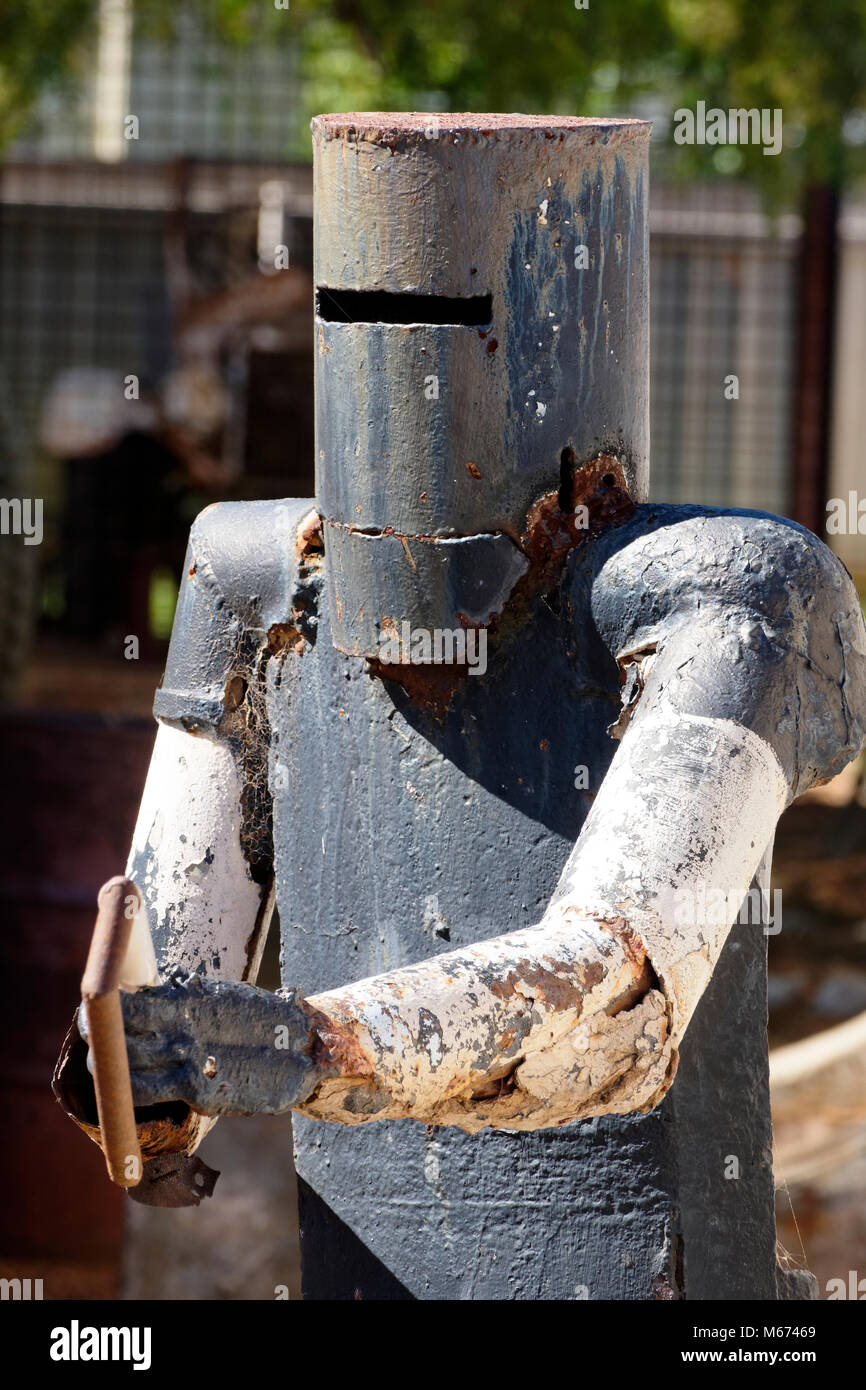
[[398, 835]]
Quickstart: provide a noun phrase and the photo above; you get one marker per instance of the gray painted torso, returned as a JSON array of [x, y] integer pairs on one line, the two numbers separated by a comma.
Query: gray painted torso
[[397, 836]]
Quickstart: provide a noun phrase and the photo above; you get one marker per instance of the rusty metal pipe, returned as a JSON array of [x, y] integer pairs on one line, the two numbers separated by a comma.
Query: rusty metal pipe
[[119, 901], [520, 1032]]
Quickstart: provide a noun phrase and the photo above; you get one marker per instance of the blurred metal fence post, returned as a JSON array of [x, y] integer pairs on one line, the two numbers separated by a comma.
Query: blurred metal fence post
[[816, 320]]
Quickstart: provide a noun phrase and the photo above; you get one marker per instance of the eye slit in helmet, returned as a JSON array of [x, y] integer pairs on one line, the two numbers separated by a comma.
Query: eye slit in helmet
[[380, 306]]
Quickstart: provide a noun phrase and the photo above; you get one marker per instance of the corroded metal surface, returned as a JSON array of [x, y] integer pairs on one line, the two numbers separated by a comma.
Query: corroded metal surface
[[436, 429], [485, 1000], [424, 582], [516, 1033]]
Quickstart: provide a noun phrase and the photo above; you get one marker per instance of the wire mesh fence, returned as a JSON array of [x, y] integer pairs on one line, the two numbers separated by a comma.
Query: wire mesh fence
[[723, 348], [134, 211], [87, 284]]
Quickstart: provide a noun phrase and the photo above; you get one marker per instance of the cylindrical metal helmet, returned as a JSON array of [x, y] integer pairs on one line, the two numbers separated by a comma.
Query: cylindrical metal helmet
[[481, 353]]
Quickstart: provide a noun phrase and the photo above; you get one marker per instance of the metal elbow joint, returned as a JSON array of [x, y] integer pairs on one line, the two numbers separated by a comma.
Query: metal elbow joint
[[743, 659]]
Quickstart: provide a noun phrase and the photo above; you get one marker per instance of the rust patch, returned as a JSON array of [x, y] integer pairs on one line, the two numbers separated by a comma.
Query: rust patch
[[168, 1134], [285, 637], [556, 522], [554, 527], [334, 1047], [310, 540], [626, 936], [300, 633], [664, 1292], [172, 1127], [557, 992], [634, 669], [670, 1285], [405, 545], [430, 685]]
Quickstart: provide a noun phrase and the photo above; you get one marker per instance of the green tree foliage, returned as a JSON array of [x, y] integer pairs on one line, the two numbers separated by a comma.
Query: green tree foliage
[[41, 45], [613, 57]]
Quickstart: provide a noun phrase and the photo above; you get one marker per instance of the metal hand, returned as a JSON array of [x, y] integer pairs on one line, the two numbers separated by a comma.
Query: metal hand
[[221, 1047]]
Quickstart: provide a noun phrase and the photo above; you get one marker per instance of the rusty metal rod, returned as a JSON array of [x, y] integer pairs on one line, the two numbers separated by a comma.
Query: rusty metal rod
[[118, 901]]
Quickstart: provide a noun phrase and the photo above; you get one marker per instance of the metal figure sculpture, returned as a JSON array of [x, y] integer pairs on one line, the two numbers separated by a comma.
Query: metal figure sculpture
[[507, 743]]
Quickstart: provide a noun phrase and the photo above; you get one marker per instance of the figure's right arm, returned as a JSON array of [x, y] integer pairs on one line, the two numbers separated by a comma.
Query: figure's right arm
[[201, 853]]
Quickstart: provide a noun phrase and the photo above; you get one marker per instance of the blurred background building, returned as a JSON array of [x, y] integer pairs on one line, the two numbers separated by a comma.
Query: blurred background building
[[156, 355]]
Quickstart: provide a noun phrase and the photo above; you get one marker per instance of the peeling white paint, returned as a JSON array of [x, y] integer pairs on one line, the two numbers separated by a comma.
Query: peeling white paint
[[661, 833], [187, 860], [139, 964], [533, 987], [562, 1015]]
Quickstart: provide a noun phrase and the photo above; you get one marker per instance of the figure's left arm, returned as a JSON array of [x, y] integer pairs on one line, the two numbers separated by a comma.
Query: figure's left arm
[[743, 654]]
